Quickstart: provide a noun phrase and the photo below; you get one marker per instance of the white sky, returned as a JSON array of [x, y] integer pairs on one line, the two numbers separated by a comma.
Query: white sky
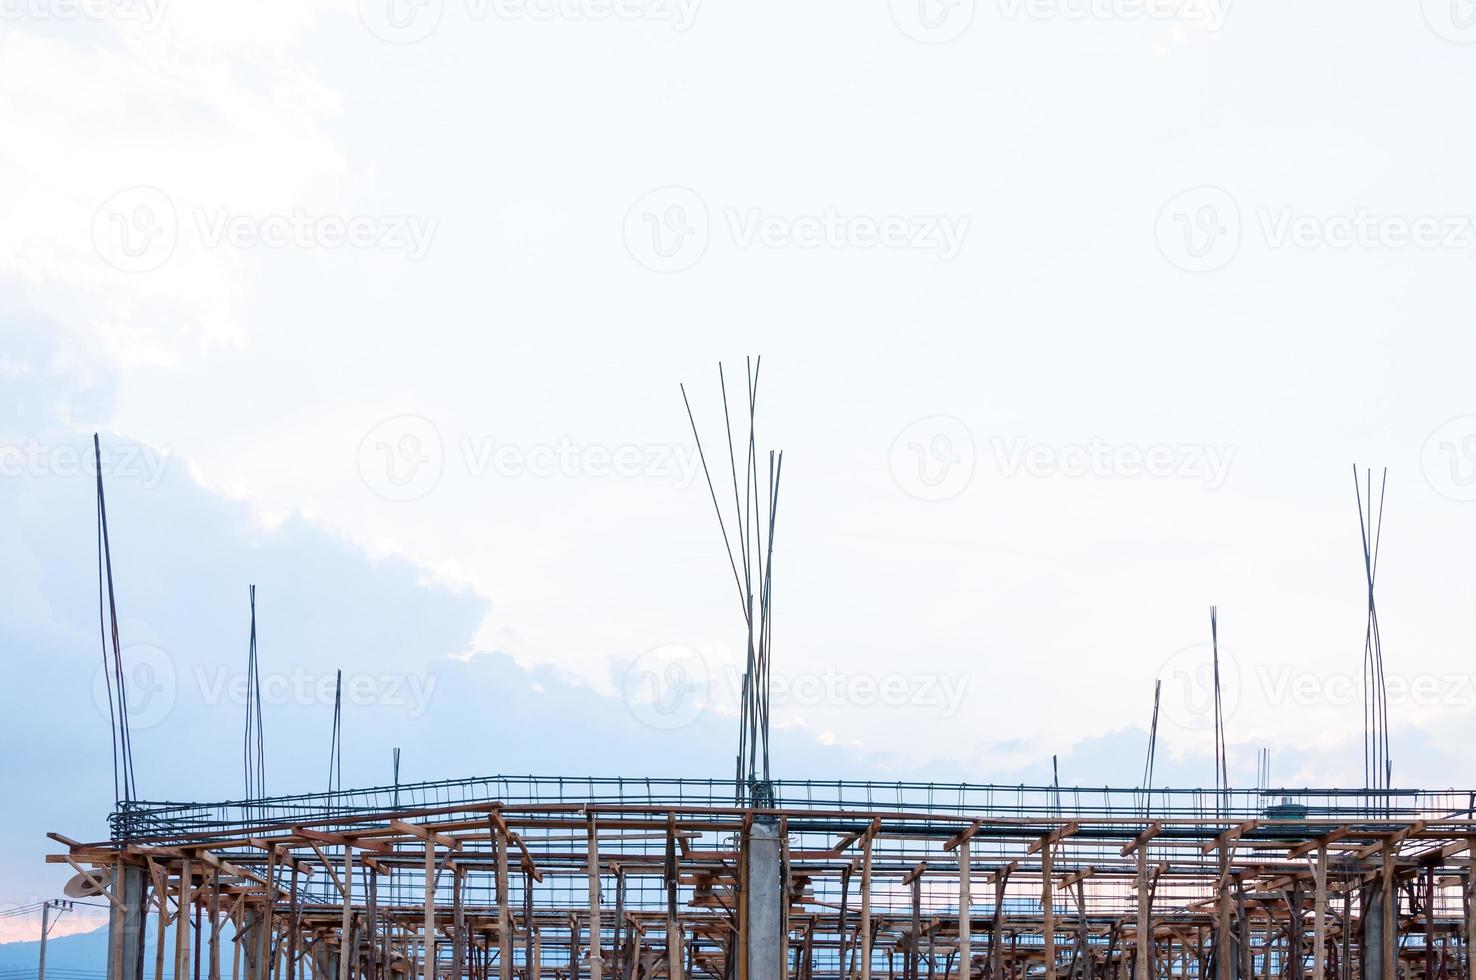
[[1040, 298]]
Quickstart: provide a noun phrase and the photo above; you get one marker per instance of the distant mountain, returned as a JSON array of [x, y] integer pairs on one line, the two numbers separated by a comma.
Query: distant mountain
[[82, 956]]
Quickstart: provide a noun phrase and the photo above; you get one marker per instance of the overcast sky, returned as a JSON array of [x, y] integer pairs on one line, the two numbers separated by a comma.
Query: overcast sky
[[1075, 315]]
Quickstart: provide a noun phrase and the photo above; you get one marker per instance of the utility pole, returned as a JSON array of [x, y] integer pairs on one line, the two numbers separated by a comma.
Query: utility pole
[[45, 927], [46, 908]]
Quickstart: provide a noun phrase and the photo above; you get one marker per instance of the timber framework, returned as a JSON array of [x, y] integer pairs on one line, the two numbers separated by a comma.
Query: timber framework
[[524, 878]]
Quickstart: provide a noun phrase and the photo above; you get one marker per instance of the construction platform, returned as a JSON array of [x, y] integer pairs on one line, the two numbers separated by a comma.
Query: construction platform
[[526, 878]]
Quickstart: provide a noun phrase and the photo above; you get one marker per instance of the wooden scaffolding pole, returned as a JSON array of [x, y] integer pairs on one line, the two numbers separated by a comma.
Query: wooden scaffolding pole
[[596, 961], [346, 930], [965, 923], [1319, 921], [866, 906], [430, 908], [1048, 912], [1145, 927]]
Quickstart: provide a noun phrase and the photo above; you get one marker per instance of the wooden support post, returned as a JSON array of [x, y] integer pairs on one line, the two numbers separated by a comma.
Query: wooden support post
[[215, 924], [1429, 918], [346, 927], [1389, 930], [673, 922], [996, 933], [161, 924], [618, 936], [236, 919], [1319, 913], [182, 922], [458, 922], [504, 910], [965, 924], [371, 925], [430, 908], [1347, 959], [1470, 909], [914, 932], [844, 966], [1224, 967], [866, 907], [294, 927], [1145, 928], [1048, 912], [596, 961], [265, 923]]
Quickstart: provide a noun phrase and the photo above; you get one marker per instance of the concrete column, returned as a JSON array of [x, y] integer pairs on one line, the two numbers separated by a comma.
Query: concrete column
[[325, 961], [1373, 940], [126, 926], [252, 923], [763, 903]]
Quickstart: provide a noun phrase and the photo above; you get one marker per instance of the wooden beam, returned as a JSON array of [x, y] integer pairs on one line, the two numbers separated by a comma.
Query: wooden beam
[[1231, 835], [1318, 842], [1059, 834], [963, 836], [1149, 832]]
